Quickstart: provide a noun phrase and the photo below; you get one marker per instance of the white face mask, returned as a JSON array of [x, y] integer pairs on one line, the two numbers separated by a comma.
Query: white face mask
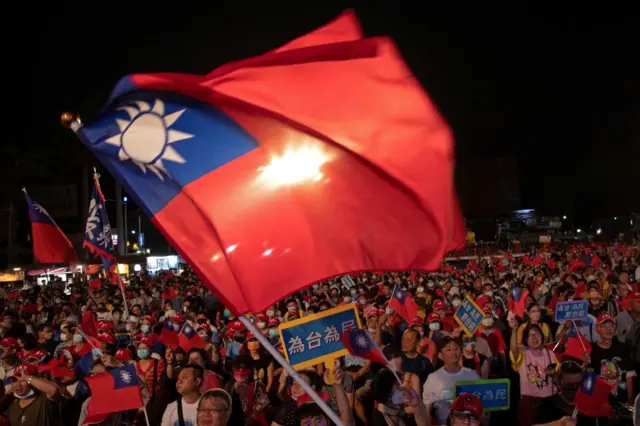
[[434, 326], [430, 284], [489, 293], [63, 337], [487, 322], [420, 289], [363, 301], [353, 291], [420, 279], [372, 331], [346, 299], [270, 313], [456, 302]]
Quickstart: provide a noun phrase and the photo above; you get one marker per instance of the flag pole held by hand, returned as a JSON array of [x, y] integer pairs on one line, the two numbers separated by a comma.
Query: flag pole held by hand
[[290, 370]]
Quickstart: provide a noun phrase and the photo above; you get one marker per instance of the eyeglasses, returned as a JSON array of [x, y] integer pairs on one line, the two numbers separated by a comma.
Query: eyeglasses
[[212, 410], [469, 417], [314, 421]]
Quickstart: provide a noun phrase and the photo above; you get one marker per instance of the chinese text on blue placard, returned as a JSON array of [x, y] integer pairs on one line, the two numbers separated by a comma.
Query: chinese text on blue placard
[[469, 316], [314, 339], [576, 310], [494, 394]]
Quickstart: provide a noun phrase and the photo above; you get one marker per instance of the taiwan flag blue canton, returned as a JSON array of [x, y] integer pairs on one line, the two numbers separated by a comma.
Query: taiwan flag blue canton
[[188, 339], [360, 343], [97, 235]]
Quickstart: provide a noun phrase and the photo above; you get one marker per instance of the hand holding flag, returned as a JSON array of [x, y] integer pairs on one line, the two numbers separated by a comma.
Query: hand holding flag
[[592, 398], [114, 391], [360, 343]]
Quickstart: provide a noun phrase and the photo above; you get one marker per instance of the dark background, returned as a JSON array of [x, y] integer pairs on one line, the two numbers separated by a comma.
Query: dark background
[[545, 105]]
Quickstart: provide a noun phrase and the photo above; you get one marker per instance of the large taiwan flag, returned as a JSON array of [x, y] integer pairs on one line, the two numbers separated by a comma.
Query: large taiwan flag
[[320, 158], [50, 244]]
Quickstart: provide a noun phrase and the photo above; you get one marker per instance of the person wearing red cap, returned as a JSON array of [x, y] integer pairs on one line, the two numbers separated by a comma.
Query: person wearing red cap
[[629, 318], [150, 369], [611, 360], [466, 410], [8, 359], [34, 398]]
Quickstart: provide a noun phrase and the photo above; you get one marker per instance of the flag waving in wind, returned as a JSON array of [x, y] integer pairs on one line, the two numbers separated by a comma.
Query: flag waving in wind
[[360, 343], [316, 159], [403, 304], [50, 245], [97, 233]]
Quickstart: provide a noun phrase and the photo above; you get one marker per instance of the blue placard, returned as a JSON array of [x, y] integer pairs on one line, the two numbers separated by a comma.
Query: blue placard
[[316, 338], [469, 315], [494, 394], [576, 310], [347, 281]]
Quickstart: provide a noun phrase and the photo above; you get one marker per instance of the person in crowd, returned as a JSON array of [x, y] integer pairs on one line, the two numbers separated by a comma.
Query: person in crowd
[[392, 399], [439, 388], [250, 392], [184, 411], [412, 361], [35, 399], [535, 365], [534, 313]]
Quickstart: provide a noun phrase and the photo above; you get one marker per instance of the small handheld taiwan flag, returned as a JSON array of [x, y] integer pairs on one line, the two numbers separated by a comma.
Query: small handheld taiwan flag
[[188, 339], [168, 335], [360, 343], [111, 392], [403, 304], [592, 399], [97, 234]]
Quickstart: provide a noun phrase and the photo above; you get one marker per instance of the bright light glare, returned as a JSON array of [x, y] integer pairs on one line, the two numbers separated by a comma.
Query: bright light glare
[[295, 166], [598, 231]]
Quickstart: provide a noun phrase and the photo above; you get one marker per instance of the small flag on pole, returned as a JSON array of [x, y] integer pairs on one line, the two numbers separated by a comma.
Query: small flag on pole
[[360, 343], [97, 234], [403, 304], [50, 244]]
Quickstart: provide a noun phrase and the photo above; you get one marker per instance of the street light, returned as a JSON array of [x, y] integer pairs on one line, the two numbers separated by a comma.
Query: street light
[[598, 231], [579, 230], [564, 217]]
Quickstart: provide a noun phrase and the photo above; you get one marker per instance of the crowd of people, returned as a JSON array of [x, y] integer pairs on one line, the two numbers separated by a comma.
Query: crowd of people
[[232, 380]]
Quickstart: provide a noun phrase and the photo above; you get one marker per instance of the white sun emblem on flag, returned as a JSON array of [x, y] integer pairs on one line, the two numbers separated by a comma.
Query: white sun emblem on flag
[[361, 341], [146, 137], [125, 376]]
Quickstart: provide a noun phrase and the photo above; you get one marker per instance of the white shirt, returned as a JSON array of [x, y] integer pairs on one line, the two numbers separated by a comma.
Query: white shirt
[[189, 414], [439, 390]]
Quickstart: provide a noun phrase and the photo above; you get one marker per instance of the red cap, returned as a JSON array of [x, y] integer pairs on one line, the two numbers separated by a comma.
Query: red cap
[[148, 341], [604, 317], [9, 342], [417, 321], [204, 326], [274, 322], [381, 312], [236, 326], [370, 312], [468, 403], [149, 318], [433, 317], [37, 354], [107, 338], [123, 355], [105, 325], [262, 317], [177, 318], [439, 304], [29, 369], [634, 296]]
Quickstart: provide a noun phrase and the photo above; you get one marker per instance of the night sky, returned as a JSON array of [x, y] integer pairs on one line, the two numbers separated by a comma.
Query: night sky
[[558, 95]]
